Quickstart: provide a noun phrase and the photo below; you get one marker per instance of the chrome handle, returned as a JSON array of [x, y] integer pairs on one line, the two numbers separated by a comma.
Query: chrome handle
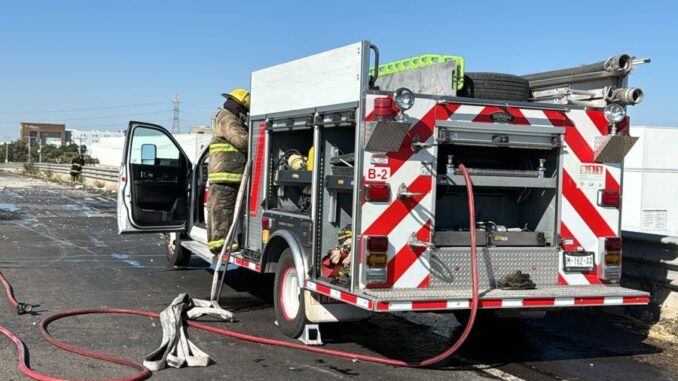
[[403, 193], [414, 241]]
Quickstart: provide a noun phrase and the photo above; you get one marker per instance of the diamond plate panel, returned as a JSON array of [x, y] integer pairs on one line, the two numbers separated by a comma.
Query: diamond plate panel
[[451, 267], [612, 148]]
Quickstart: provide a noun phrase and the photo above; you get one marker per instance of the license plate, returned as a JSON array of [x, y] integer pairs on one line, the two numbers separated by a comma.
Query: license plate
[[578, 261]]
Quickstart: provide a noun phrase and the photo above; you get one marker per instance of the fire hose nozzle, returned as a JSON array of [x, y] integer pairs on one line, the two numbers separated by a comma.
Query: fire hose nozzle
[[627, 95], [621, 63], [24, 308]]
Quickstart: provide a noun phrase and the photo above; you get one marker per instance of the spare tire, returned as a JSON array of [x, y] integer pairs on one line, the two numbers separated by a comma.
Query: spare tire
[[495, 86]]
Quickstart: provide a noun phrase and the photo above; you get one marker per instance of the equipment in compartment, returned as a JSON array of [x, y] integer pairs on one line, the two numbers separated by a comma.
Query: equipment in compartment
[[293, 179], [515, 171]]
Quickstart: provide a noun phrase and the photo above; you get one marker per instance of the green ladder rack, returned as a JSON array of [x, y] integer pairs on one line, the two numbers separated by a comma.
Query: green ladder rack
[[422, 61]]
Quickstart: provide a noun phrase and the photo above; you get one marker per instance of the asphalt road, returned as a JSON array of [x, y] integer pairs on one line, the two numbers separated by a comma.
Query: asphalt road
[[59, 247]]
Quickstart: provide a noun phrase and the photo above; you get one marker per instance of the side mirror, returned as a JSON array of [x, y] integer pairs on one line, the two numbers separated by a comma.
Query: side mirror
[[148, 154]]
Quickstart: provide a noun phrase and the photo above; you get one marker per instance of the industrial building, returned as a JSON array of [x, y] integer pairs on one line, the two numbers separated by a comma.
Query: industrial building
[[43, 133]]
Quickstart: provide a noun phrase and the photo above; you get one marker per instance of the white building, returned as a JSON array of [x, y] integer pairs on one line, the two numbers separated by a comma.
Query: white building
[[87, 138], [650, 182]]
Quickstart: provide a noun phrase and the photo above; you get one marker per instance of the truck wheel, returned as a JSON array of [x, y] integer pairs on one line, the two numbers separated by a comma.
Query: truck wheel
[[177, 255], [495, 86], [288, 299]]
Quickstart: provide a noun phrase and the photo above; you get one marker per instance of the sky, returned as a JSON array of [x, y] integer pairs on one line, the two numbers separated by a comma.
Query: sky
[[99, 64]]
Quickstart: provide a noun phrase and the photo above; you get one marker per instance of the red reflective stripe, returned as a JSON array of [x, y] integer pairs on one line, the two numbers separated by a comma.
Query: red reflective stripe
[[322, 289], [592, 276], [423, 129], [258, 171], [575, 141], [425, 283], [539, 302], [405, 258], [598, 119], [348, 298], [589, 301], [562, 280], [584, 208], [610, 182], [636, 300], [395, 212], [490, 303], [382, 306], [429, 305]]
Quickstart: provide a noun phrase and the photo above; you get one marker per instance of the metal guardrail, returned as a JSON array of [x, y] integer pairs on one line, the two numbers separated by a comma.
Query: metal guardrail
[[651, 257], [103, 174]]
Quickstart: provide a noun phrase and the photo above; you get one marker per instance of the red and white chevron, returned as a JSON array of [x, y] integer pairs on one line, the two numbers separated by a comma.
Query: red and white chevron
[[583, 222]]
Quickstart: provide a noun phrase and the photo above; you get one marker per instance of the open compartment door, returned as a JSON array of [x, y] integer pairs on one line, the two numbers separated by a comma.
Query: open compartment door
[[153, 185]]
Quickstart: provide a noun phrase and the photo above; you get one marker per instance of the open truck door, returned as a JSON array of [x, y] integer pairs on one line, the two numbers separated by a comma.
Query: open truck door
[[153, 183]]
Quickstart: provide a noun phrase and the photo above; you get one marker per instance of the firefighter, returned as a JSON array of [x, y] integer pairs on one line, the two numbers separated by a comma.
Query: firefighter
[[227, 159], [76, 167]]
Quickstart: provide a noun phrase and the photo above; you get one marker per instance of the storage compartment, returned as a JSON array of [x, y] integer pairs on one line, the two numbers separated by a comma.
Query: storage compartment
[[515, 189], [290, 185]]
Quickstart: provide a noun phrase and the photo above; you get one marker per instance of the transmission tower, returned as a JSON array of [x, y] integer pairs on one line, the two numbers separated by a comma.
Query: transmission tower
[[176, 123]]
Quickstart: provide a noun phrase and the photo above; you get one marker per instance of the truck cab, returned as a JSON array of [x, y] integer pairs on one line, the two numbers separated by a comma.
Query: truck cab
[[361, 159]]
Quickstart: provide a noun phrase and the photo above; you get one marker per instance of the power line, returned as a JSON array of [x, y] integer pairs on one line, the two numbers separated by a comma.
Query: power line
[[100, 117], [84, 109]]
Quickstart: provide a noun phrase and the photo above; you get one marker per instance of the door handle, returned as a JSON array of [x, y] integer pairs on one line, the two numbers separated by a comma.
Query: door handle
[[415, 242], [403, 193]]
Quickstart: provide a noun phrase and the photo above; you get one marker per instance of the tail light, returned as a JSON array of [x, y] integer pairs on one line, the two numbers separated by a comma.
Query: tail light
[[608, 198], [266, 223], [376, 244], [377, 192], [376, 259], [612, 259]]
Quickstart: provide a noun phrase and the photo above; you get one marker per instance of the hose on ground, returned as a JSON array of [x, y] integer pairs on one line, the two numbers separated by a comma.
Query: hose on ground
[[145, 373]]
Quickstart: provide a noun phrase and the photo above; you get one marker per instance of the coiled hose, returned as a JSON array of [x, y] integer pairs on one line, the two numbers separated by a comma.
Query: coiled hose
[[145, 373]]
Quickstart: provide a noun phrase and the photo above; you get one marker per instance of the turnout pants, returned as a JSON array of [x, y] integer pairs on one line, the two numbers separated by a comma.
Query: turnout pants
[[220, 205]]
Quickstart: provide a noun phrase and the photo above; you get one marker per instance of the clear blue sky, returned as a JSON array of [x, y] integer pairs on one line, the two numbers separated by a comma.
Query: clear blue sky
[[98, 64]]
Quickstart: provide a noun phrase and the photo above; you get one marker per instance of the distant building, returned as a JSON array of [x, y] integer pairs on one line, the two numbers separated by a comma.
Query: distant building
[[89, 138], [200, 130], [43, 133], [650, 182]]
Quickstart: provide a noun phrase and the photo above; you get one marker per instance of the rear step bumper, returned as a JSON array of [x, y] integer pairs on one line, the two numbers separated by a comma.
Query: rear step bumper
[[453, 299]]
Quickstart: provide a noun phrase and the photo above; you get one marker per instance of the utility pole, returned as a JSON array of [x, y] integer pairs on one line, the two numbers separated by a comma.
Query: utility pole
[[176, 123]]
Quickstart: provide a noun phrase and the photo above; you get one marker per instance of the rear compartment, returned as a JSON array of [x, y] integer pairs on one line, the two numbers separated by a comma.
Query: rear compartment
[[516, 171]]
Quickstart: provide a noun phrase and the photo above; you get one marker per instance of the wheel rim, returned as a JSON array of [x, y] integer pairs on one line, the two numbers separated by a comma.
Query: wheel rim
[[289, 294], [171, 244]]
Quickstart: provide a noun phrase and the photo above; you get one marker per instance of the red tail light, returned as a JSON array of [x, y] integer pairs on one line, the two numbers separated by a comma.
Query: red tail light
[[613, 244], [265, 222], [377, 192], [608, 197], [377, 244]]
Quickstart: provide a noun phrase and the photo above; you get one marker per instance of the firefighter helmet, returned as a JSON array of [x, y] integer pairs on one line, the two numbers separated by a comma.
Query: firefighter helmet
[[241, 96]]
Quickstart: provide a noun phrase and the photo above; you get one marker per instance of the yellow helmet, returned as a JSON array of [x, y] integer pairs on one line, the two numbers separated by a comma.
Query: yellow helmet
[[241, 96]]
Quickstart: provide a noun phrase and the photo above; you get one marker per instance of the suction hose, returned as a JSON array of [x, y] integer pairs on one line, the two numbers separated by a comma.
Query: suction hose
[[144, 373]]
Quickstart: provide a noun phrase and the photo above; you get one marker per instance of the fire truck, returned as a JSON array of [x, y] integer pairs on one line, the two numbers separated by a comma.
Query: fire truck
[[355, 198]]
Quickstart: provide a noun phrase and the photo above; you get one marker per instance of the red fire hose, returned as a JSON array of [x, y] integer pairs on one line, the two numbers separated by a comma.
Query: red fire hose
[[144, 373]]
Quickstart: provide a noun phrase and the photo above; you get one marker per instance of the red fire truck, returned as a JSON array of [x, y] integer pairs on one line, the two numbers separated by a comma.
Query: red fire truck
[[356, 201]]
